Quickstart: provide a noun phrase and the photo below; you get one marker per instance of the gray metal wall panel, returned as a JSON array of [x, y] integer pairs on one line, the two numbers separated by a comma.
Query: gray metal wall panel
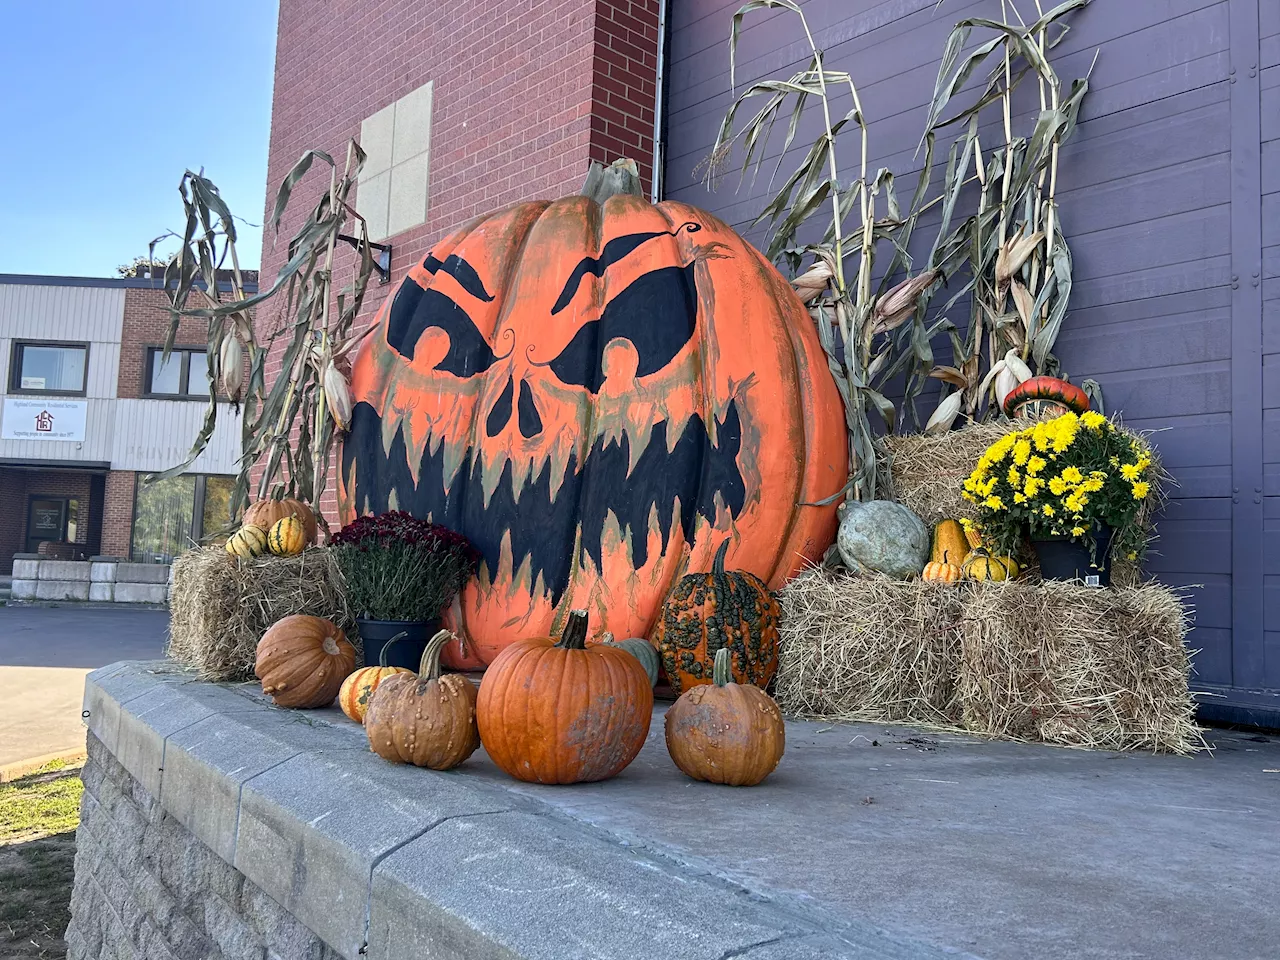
[[1152, 201]]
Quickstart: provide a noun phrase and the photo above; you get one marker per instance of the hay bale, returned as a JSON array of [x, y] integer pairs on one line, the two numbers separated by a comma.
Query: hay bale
[[220, 607], [1050, 662]]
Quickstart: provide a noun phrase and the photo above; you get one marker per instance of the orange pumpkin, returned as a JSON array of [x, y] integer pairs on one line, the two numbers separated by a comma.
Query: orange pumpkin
[[302, 661], [725, 732], [358, 688], [562, 712], [266, 513], [594, 394], [707, 611], [425, 719]]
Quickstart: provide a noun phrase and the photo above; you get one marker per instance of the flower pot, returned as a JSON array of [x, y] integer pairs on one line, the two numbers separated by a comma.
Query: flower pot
[[1062, 558], [405, 652]]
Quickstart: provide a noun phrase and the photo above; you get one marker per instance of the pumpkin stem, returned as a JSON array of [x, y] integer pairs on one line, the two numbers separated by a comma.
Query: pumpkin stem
[[717, 565], [429, 665], [620, 178], [575, 631], [721, 672], [382, 654]]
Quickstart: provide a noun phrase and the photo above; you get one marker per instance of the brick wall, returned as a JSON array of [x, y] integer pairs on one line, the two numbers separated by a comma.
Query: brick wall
[[525, 95], [146, 323], [117, 514], [16, 489]]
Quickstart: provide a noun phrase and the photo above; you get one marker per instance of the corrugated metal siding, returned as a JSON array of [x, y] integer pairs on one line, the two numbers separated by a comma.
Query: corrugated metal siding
[[1158, 227], [61, 313], [156, 434]]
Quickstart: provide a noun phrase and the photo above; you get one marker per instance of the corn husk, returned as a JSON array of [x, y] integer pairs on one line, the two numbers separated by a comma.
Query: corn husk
[[231, 369], [337, 395]]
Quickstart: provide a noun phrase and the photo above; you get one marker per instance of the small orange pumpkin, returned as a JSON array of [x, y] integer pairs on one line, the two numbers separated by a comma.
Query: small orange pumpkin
[[302, 661], [707, 611], [358, 688], [562, 712], [940, 571], [727, 732], [424, 719], [266, 513]]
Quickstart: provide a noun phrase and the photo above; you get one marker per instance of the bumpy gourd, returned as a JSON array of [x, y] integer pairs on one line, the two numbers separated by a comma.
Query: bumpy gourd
[[426, 719], [708, 611]]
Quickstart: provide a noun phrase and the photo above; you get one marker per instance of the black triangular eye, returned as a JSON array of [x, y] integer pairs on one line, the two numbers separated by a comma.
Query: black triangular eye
[[614, 250], [657, 313], [501, 411], [461, 271]]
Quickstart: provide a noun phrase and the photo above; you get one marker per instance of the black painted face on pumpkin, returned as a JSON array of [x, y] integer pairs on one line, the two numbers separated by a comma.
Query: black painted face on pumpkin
[[542, 415]]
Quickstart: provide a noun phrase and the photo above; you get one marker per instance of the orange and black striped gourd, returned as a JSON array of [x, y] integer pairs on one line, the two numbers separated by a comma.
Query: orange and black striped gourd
[[707, 611], [562, 712]]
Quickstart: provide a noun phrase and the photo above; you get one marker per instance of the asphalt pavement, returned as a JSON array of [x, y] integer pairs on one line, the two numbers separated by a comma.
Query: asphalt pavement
[[45, 653]]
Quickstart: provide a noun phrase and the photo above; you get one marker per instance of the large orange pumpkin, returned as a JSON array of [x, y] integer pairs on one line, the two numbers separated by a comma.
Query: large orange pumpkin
[[561, 712], [595, 395], [267, 513]]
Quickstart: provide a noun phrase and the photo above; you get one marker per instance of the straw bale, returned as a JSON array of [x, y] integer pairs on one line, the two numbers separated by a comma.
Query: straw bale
[[1035, 661], [220, 606]]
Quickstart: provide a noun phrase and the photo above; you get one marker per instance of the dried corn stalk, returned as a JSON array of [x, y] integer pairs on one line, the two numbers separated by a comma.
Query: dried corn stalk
[[289, 427]]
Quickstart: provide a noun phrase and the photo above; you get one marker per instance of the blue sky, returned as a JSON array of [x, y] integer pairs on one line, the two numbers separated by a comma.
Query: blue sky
[[104, 105]]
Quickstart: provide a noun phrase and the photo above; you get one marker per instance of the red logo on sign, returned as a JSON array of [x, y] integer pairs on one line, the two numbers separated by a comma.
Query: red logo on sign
[[44, 422]]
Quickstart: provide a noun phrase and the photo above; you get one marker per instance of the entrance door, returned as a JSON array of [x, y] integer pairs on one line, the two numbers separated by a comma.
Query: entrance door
[[46, 520]]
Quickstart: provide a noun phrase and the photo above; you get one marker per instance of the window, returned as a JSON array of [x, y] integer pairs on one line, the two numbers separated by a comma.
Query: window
[[172, 514], [185, 374], [392, 195], [49, 368]]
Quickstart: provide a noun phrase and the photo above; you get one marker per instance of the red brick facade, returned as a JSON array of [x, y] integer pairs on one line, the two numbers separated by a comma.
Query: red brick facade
[[117, 514], [524, 96], [16, 489], [146, 323]]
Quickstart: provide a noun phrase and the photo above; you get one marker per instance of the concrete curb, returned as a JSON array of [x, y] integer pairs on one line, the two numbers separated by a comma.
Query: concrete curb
[[17, 769], [384, 861]]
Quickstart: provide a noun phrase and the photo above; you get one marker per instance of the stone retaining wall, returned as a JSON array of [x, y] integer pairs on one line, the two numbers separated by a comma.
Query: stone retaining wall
[[146, 888], [216, 826]]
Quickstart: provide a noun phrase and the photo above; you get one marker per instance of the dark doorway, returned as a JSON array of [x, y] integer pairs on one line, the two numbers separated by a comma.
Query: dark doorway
[[48, 518]]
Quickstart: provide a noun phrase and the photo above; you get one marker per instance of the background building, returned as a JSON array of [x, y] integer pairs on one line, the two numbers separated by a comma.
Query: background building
[[1170, 196], [87, 409]]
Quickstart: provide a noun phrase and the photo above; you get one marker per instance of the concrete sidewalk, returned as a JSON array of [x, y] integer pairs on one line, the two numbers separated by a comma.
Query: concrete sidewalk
[[45, 653]]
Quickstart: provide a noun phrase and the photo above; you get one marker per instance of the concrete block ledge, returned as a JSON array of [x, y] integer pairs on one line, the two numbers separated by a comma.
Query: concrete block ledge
[[381, 861]]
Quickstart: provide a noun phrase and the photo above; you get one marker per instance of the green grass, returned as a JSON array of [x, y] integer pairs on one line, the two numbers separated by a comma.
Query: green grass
[[39, 804], [38, 817]]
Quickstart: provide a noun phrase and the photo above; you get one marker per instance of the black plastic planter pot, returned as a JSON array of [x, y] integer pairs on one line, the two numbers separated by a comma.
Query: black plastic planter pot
[[405, 652], [1066, 559]]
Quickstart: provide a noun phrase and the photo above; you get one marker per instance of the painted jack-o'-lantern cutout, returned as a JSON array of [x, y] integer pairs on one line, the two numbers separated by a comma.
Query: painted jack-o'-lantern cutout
[[596, 395]]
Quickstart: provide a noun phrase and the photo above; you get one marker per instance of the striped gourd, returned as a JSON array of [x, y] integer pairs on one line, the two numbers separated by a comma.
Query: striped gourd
[[287, 537], [248, 542]]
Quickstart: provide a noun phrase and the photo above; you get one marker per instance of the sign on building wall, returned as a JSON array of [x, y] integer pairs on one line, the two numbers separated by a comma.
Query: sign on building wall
[[43, 418]]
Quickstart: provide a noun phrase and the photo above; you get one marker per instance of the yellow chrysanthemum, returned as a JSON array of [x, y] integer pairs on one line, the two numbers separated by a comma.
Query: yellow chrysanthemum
[[1048, 510], [1034, 486], [1021, 451], [1072, 475], [1035, 465], [1077, 531], [994, 503], [1013, 476], [1019, 498], [1057, 486], [1092, 485], [1130, 471], [1093, 420], [1140, 490]]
